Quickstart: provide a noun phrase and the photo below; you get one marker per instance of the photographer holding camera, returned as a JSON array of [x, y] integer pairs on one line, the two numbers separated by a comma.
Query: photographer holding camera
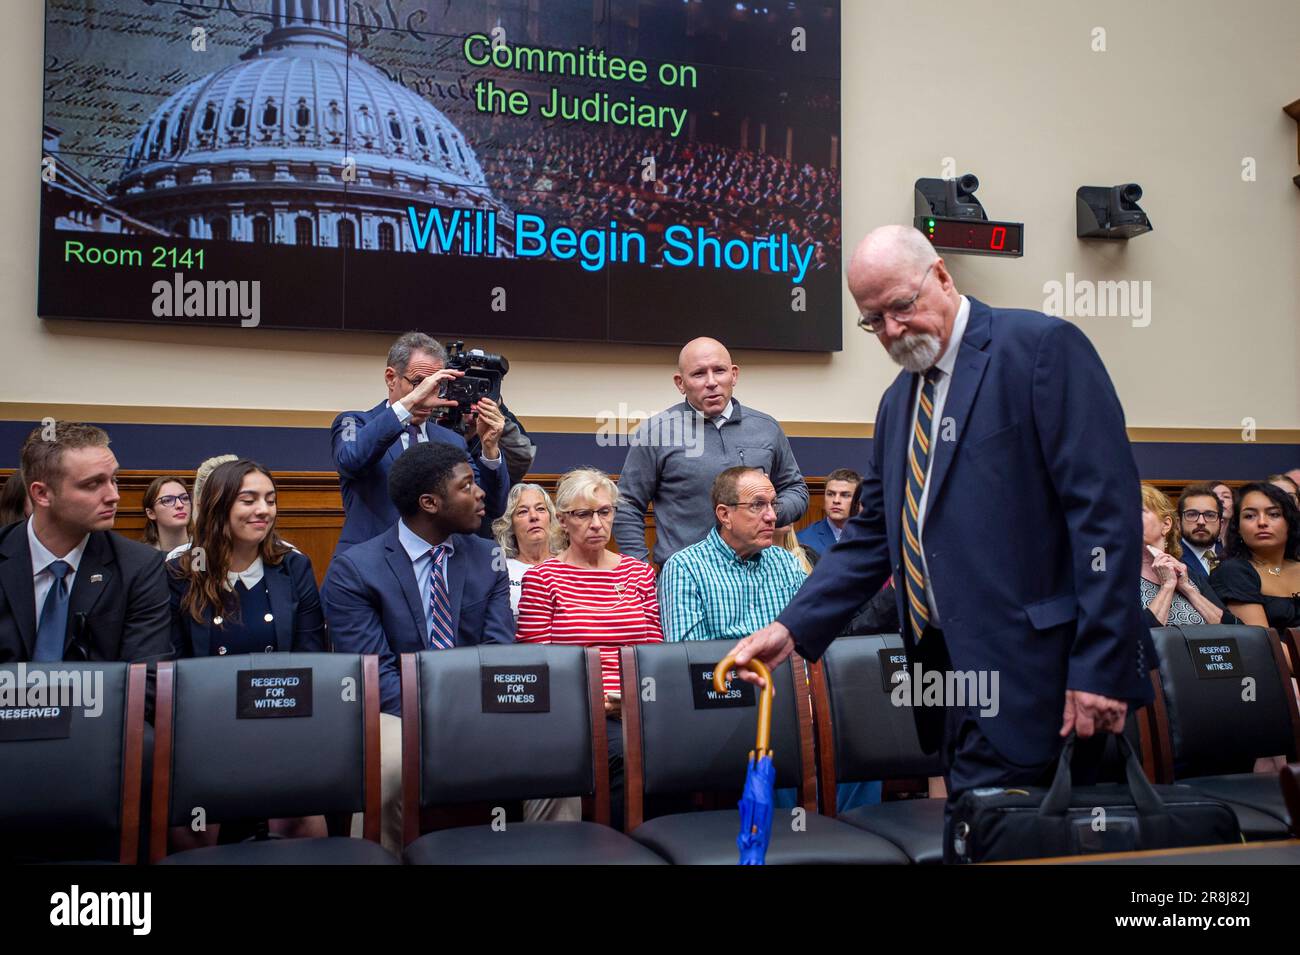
[[366, 443], [483, 374]]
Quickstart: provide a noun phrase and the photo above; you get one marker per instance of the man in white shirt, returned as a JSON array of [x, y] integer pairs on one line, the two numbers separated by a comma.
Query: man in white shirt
[[1200, 513], [1000, 472]]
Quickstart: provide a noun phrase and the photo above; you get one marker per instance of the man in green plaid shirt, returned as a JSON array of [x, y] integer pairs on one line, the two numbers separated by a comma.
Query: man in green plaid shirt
[[734, 581]]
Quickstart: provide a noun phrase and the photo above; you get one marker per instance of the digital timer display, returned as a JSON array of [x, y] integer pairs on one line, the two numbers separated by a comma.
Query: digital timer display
[[974, 236]]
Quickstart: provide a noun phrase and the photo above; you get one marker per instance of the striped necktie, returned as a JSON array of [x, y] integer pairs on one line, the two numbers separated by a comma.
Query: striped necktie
[[918, 458], [442, 635]]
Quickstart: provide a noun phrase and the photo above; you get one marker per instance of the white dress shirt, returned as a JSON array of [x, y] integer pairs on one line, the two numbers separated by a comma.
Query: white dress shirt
[[947, 361], [418, 550], [1198, 551], [42, 576], [718, 420], [404, 415]]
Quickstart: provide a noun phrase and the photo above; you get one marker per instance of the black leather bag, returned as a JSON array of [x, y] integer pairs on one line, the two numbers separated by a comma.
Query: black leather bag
[[994, 825]]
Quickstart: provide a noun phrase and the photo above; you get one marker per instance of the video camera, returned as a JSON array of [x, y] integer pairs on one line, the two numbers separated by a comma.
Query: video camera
[[482, 379]]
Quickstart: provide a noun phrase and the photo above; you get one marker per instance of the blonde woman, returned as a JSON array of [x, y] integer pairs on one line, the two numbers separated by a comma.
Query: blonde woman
[[1168, 594], [201, 475], [787, 539], [527, 533]]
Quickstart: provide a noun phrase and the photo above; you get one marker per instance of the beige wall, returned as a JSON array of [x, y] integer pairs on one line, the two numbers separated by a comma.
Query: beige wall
[[1185, 90]]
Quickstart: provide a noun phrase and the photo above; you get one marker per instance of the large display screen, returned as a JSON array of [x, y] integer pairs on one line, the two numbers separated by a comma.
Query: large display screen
[[600, 170]]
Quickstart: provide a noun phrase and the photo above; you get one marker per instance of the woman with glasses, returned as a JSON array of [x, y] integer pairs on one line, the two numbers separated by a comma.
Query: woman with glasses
[[587, 595], [1169, 596], [166, 514]]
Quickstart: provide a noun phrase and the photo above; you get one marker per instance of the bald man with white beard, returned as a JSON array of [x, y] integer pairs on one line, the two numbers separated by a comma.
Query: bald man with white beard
[[674, 456], [1002, 496]]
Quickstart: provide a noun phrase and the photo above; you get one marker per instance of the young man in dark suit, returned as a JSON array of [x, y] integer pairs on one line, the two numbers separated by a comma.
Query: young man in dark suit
[[70, 588], [366, 443], [836, 503], [427, 583], [1201, 535], [1002, 496]]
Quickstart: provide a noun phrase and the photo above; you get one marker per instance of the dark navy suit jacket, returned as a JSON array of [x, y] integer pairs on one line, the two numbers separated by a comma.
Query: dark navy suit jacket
[[1032, 530], [818, 536], [372, 603], [117, 609], [295, 604], [365, 445], [1199, 575]]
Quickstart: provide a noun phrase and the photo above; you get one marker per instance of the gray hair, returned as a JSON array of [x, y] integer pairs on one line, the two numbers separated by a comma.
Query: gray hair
[[399, 356], [503, 528]]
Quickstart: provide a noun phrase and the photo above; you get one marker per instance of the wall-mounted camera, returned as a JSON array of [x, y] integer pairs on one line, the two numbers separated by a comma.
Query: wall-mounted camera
[[1110, 212], [949, 215]]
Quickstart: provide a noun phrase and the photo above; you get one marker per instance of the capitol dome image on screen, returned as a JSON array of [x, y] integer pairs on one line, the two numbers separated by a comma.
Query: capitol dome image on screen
[[301, 142]]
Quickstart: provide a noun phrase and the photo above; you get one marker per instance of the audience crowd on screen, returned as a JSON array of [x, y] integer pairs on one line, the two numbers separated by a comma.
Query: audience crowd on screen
[[213, 576], [581, 181]]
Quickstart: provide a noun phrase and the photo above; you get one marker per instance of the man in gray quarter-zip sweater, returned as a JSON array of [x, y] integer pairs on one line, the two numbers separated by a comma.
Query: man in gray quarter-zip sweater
[[674, 456]]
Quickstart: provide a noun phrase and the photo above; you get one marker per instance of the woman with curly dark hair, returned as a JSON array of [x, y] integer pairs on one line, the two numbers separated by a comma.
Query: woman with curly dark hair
[[1260, 580]]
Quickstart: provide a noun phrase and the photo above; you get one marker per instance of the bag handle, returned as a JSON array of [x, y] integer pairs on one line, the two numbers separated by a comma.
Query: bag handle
[[1145, 798]]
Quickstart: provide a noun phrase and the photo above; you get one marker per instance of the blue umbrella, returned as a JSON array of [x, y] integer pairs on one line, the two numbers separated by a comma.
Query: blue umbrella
[[756, 800]]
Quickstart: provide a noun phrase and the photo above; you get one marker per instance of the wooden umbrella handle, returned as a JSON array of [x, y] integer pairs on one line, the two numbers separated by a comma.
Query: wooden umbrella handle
[[763, 746]]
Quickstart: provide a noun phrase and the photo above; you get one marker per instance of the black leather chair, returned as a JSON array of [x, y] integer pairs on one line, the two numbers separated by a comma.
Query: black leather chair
[[1211, 730], [455, 754], [673, 748], [234, 769], [74, 797], [862, 735]]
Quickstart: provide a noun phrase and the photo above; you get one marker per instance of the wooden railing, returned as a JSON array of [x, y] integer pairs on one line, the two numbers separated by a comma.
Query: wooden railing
[[310, 507]]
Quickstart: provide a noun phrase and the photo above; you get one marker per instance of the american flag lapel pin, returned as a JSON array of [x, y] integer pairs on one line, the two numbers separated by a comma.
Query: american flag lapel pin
[[96, 578]]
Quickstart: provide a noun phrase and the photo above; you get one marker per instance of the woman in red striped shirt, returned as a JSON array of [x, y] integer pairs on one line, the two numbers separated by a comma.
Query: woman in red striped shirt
[[589, 596]]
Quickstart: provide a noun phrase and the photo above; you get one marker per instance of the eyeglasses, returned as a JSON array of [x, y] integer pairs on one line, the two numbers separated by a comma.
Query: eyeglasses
[[902, 312], [1210, 517], [413, 382], [604, 513], [171, 500], [755, 507]]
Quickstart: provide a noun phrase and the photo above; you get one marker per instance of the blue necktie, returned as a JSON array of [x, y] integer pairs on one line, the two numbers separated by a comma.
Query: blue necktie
[[413, 430], [442, 636], [918, 611], [52, 631]]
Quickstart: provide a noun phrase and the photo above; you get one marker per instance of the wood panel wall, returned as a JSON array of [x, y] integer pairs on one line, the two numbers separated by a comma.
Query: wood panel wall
[[311, 507]]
